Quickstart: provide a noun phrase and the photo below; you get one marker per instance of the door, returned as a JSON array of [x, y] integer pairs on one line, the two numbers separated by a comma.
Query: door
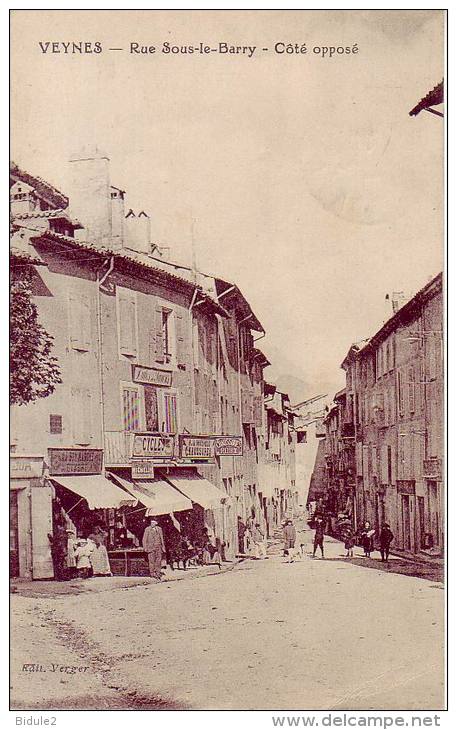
[[41, 527], [14, 536], [421, 525], [406, 522]]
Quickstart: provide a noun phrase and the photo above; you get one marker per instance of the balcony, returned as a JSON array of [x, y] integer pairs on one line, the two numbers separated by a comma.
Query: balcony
[[118, 448]]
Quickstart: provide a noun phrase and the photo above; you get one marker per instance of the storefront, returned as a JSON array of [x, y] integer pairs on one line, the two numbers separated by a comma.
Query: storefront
[[30, 517]]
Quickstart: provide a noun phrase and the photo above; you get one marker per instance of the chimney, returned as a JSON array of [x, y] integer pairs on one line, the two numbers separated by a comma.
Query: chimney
[[90, 195], [117, 216], [137, 232], [398, 300]]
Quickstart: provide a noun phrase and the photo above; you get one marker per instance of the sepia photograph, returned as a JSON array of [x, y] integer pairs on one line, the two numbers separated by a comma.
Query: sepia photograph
[[227, 361]]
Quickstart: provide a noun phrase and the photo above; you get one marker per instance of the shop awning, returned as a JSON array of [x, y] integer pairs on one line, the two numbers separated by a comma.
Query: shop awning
[[98, 492], [157, 495], [198, 489]]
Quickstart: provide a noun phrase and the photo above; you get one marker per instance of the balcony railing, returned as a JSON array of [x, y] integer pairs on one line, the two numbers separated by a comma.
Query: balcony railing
[[433, 469], [118, 448]]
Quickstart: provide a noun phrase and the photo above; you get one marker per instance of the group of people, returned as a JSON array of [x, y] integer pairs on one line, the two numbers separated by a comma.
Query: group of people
[[79, 557], [203, 549], [252, 539], [365, 536]]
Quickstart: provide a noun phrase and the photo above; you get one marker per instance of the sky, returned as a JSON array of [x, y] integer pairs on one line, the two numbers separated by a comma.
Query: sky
[[301, 178]]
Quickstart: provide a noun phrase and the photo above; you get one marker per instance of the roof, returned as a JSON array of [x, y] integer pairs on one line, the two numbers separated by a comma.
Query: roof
[[45, 190], [258, 354], [138, 263], [56, 214], [434, 97], [410, 309], [229, 291], [318, 481], [19, 256], [352, 352]]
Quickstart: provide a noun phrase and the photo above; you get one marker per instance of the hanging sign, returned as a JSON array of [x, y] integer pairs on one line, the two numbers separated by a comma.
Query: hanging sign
[[153, 445], [151, 376], [229, 446], [75, 461], [142, 469], [196, 447]]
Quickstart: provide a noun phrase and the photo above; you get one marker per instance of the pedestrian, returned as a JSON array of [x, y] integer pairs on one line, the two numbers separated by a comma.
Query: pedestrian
[[290, 535], [385, 538], [349, 542], [260, 549], [367, 539], [154, 547], [241, 534], [83, 551], [319, 525]]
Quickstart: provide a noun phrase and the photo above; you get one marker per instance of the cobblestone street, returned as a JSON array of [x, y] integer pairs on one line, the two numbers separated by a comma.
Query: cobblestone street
[[314, 634]]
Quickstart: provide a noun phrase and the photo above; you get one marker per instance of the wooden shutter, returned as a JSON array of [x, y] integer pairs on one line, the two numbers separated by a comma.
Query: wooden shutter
[[182, 354], [41, 523], [384, 464], [127, 322], [159, 343], [86, 325]]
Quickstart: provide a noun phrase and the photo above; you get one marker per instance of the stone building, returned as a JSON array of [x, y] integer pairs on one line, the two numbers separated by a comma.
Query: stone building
[[161, 407], [393, 417]]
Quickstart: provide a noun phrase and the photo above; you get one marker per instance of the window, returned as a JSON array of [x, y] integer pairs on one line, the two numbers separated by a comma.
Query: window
[[411, 390], [151, 411], [55, 423], [79, 321], [195, 344], [131, 408], [127, 322], [164, 335], [169, 412], [400, 393]]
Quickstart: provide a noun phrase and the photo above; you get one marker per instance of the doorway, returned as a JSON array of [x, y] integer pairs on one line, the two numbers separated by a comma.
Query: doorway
[[14, 536], [406, 521]]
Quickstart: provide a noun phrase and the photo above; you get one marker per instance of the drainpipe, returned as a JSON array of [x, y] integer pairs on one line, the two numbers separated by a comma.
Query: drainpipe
[[191, 345], [100, 281]]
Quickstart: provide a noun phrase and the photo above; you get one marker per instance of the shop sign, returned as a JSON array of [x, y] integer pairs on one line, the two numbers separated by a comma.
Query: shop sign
[[153, 445], [196, 447], [151, 376], [26, 467], [229, 446], [75, 461], [142, 469]]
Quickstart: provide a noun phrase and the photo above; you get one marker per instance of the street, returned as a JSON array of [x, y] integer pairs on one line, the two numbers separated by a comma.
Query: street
[[315, 634]]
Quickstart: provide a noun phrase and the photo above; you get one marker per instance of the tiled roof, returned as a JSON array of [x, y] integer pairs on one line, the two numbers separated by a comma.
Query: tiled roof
[[21, 256], [44, 189], [433, 98], [129, 259]]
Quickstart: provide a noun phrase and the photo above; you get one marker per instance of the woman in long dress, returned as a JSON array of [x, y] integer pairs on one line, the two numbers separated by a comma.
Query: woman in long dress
[[99, 556]]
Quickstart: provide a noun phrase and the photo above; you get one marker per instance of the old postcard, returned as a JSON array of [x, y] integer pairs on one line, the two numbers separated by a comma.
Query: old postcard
[[227, 405]]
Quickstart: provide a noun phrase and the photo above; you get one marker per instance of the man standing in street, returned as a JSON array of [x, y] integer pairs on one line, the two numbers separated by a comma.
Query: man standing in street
[[290, 535], [385, 538], [319, 535], [154, 546]]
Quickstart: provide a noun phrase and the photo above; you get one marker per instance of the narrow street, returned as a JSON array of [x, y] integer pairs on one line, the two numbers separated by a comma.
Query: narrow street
[[314, 634]]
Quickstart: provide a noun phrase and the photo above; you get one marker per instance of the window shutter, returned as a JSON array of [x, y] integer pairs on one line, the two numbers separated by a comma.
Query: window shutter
[[365, 466], [159, 335], [181, 339], [127, 323], [384, 464], [86, 332]]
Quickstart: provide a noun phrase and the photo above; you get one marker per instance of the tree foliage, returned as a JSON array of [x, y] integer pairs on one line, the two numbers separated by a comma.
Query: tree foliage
[[34, 372]]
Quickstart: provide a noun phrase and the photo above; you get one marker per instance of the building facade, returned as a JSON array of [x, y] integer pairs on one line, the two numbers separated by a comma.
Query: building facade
[[161, 409], [384, 434]]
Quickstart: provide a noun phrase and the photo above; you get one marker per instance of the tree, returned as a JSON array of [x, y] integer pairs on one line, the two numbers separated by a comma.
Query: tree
[[34, 372]]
